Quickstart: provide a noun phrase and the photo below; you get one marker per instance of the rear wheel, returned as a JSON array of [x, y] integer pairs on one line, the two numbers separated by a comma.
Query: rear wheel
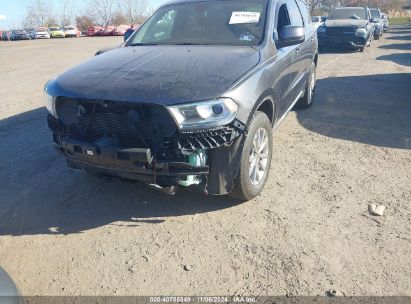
[[308, 98], [255, 160]]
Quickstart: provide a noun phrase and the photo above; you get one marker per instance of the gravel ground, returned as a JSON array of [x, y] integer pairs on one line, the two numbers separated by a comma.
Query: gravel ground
[[63, 232]]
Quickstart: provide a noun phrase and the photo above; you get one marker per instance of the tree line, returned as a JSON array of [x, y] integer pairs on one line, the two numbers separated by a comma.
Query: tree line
[[102, 12], [117, 12]]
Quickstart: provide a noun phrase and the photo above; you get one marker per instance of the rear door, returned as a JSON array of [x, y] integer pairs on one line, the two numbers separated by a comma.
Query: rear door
[[310, 46], [288, 13], [301, 54]]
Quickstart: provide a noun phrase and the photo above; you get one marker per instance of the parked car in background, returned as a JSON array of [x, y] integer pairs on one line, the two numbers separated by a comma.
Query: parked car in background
[[31, 32], [348, 27], [5, 35], [316, 21], [386, 22], [71, 31], [121, 29], [378, 21], [129, 32], [94, 31], [19, 35], [56, 32], [41, 33], [132, 120]]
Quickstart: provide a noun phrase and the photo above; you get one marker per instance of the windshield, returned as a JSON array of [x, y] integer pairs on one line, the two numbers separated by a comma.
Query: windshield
[[375, 13], [223, 22], [54, 29], [315, 19], [69, 28], [348, 13]]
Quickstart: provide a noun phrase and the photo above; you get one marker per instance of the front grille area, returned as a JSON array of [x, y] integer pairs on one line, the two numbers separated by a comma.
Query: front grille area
[[339, 31], [107, 124], [125, 125], [116, 125]]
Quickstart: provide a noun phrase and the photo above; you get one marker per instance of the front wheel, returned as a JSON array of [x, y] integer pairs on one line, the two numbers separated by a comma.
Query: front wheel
[[255, 160]]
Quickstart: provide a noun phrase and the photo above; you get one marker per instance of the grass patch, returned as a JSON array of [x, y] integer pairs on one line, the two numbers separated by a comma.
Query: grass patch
[[400, 21]]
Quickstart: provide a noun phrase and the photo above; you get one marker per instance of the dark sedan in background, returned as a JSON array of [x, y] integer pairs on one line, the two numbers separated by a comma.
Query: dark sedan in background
[[347, 27], [19, 35]]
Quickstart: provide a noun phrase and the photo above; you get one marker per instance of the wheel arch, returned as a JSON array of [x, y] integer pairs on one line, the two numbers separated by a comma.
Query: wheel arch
[[266, 104]]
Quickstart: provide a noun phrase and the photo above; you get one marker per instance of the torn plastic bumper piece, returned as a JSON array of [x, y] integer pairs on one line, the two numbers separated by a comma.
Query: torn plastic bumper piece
[[213, 138]]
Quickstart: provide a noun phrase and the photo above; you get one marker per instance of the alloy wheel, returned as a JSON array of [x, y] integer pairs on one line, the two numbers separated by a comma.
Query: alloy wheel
[[258, 156]]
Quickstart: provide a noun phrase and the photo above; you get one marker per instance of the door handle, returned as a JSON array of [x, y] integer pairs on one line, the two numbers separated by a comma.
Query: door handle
[[312, 39], [297, 50]]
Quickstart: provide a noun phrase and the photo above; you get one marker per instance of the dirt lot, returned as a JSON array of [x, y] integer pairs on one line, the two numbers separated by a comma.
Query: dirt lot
[[63, 232]]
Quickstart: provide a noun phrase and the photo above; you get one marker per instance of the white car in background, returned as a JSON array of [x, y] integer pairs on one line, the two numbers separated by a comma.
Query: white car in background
[[71, 31], [316, 21], [41, 33]]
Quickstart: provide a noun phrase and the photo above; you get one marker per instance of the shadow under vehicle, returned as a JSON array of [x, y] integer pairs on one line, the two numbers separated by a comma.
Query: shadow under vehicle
[[378, 115]]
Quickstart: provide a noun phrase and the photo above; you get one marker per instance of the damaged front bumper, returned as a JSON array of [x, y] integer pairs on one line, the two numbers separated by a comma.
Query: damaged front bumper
[[168, 168]]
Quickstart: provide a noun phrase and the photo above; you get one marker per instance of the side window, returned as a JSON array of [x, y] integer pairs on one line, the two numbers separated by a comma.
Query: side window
[[304, 11], [294, 13], [283, 18]]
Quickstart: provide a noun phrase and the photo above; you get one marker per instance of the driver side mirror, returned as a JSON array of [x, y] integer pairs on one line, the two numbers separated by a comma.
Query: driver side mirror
[[290, 35], [373, 20]]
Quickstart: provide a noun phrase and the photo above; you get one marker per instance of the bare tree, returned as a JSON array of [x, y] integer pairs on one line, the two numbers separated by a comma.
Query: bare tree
[[38, 13], [66, 13], [103, 11], [84, 22], [118, 19], [134, 10]]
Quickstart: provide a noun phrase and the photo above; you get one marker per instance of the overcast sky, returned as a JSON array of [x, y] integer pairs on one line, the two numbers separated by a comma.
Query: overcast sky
[[15, 10]]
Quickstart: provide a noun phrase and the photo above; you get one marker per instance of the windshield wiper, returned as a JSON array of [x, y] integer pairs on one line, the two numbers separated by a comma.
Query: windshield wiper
[[188, 43], [142, 44]]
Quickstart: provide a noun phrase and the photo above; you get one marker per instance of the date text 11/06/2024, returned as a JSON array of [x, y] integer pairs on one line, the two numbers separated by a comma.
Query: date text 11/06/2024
[[199, 299]]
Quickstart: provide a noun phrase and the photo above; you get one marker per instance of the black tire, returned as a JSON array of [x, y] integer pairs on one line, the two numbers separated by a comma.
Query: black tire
[[308, 98], [244, 189]]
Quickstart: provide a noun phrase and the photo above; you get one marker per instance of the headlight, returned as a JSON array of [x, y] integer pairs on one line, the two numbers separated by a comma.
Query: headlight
[[361, 32], [321, 29], [50, 103], [205, 114]]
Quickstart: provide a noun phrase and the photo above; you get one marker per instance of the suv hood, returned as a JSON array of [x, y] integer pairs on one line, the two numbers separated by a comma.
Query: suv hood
[[163, 75], [346, 22]]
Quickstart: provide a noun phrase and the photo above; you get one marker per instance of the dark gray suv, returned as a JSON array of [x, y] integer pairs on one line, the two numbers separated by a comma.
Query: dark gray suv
[[192, 98]]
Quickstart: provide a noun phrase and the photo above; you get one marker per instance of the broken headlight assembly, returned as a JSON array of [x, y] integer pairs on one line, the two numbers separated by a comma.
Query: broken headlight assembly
[[50, 103], [205, 114]]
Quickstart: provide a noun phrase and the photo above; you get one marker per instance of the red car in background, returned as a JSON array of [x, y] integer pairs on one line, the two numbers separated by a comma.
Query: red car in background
[[94, 31], [107, 31]]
